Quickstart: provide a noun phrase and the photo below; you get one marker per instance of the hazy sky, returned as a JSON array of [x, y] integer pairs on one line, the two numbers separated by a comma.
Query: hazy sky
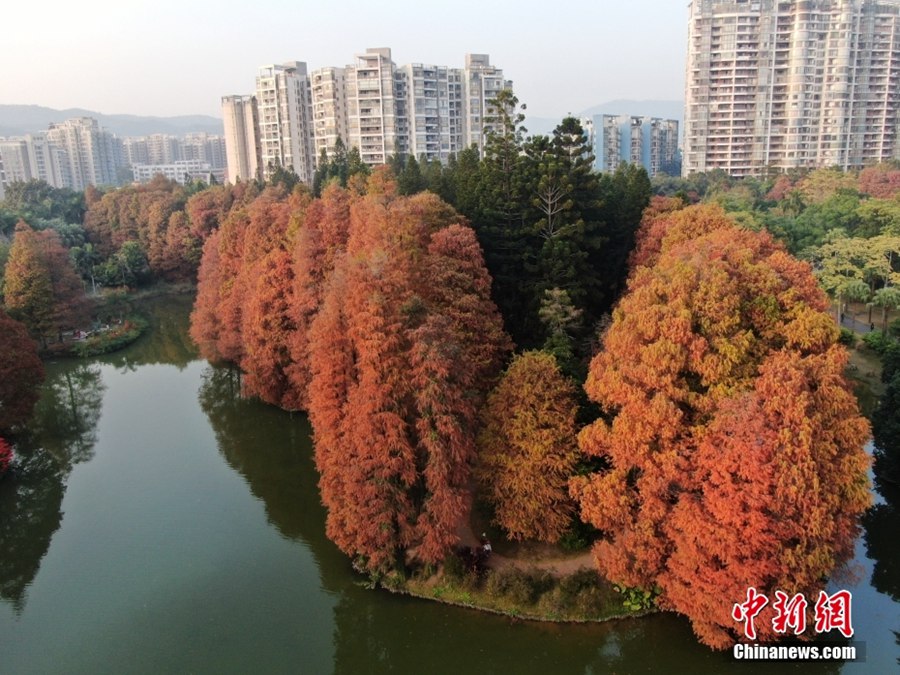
[[174, 57]]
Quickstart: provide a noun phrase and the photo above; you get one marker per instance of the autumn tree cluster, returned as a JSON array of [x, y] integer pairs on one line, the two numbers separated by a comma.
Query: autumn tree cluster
[[373, 312], [846, 223], [142, 233], [732, 442], [545, 219], [130, 236]]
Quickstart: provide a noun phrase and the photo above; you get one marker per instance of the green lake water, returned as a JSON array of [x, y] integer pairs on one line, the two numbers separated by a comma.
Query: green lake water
[[158, 523]]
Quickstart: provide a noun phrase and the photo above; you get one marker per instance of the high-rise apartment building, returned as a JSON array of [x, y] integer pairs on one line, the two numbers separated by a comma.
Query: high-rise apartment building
[[204, 148], [649, 142], [242, 152], [481, 82], [433, 105], [283, 109], [376, 106], [94, 155], [372, 107], [16, 163], [329, 109], [49, 162], [791, 83], [71, 154]]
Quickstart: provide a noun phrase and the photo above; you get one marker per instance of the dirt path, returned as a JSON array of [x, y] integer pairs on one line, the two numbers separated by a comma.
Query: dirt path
[[540, 557]]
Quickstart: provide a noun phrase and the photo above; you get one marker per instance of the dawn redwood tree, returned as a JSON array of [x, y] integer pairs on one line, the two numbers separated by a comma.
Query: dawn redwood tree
[[41, 287], [205, 322], [457, 352], [134, 213], [27, 289], [21, 373], [752, 516], [707, 309], [669, 223], [320, 239], [208, 208], [216, 319], [402, 350], [181, 250], [528, 449], [265, 283], [6, 456]]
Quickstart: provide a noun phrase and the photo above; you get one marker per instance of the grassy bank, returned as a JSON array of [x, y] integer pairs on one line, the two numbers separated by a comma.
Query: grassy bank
[[534, 595]]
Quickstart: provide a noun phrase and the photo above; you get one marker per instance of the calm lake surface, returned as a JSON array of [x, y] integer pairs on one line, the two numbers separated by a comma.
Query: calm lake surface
[[159, 523]]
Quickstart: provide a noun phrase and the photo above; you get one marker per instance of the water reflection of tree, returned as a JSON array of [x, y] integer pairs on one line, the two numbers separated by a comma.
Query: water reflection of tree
[[404, 635], [30, 500], [272, 450], [65, 419], [882, 522], [166, 339], [61, 434]]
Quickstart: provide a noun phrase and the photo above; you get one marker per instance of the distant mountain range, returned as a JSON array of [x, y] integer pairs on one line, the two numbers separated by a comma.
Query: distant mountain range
[[16, 120], [670, 110]]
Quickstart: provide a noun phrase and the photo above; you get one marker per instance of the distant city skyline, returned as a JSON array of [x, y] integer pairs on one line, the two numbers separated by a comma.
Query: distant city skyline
[[169, 58]]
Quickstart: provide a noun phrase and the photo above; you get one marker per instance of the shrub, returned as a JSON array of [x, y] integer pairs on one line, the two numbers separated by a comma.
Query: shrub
[[518, 586], [454, 567], [877, 341], [894, 328], [847, 337]]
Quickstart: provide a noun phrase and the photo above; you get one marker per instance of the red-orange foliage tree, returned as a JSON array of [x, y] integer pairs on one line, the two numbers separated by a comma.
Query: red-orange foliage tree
[[266, 284], [320, 239], [780, 189], [217, 317], [129, 213], [205, 322], [527, 449], [6, 456], [41, 288], [402, 350], [778, 484], [21, 373], [708, 306], [244, 284], [881, 181], [208, 208], [154, 215], [180, 251]]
